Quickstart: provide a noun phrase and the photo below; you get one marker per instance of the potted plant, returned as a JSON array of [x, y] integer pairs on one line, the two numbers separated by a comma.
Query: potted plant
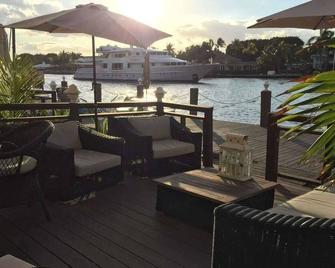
[[17, 79]]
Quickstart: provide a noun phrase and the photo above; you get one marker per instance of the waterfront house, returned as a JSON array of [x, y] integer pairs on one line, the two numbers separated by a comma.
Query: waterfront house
[[234, 65]]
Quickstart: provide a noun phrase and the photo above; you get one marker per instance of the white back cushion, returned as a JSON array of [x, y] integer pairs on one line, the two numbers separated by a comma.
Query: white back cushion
[[315, 203], [66, 135], [158, 127]]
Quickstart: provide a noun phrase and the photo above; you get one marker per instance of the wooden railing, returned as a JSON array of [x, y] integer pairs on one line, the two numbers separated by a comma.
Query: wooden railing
[[273, 147], [45, 95], [79, 111]]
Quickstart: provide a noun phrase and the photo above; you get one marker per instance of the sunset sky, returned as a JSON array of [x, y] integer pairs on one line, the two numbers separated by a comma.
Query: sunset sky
[[189, 21]]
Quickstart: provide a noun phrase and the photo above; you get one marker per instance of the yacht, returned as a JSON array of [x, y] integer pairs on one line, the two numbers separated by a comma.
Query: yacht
[[115, 63]]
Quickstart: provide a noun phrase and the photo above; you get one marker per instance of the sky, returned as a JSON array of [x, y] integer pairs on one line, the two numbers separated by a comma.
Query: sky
[[188, 21]]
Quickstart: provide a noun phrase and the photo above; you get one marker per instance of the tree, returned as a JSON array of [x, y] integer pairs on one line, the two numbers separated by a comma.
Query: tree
[[220, 43], [318, 43], [170, 49]]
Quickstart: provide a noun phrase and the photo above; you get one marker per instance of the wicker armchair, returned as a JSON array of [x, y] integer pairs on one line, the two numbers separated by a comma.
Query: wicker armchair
[[80, 160], [246, 237], [157, 138], [20, 154]]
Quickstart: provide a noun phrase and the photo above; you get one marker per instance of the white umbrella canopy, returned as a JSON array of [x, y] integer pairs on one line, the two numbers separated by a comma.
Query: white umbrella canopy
[[95, 20], [4, 51], [315, 14]]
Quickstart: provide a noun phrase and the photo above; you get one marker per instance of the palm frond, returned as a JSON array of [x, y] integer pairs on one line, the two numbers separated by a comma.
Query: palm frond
[[314, 100]]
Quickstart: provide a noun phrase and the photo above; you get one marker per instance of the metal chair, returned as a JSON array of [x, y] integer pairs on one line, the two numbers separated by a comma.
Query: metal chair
[[20, 151]]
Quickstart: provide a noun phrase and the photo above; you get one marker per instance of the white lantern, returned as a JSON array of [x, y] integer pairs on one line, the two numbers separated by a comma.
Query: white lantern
[[235, 158]]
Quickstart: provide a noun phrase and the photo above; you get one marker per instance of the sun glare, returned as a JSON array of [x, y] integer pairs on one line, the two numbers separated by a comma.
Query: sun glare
[[146, 11]]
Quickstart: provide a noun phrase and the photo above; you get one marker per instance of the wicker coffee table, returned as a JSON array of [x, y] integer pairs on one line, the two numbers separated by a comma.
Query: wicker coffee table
[[192, 196]]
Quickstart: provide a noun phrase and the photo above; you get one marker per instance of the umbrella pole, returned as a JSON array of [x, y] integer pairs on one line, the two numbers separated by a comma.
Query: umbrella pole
[[13, 43], [94, 85]]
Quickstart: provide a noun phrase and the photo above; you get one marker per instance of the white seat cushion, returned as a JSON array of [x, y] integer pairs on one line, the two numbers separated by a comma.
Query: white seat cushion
[[170, 148], [66, 135], [9, 166], [315, 203], [88, 162], [158, 127]]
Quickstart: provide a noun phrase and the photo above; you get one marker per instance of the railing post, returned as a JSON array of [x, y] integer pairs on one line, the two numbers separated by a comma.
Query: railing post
[[265, 105], [272, 149], [159, 93], [160, 108], [194, 93], [53, 96], [207, 130], [183, 120], [74, 111]]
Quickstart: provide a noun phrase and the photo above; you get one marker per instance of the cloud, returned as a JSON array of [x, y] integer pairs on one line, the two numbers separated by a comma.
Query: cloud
[[193, 33], [11, 11], [213, 29]]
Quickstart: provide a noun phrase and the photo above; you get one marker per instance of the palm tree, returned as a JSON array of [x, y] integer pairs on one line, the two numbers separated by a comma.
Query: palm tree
[[220, 43], [317, 41], [170, 49]]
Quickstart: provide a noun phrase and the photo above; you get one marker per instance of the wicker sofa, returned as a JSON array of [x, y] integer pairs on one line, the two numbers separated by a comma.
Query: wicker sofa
[[79, 160], [156, 139], [298, 233]]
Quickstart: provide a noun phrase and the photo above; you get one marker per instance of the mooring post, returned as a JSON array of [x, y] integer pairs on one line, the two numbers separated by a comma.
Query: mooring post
[[194, 94], [97, 91], [140, 89], [63, 83], [265, 105]]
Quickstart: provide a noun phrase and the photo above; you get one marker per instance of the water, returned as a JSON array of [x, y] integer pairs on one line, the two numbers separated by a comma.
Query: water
[[224, 94]]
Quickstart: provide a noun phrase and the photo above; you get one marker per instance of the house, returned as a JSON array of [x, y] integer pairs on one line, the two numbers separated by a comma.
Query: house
[[230, 64]]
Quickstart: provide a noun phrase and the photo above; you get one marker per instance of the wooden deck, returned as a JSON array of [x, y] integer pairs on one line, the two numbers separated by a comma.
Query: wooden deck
[[290, 153], [121, 228], [118, 228]]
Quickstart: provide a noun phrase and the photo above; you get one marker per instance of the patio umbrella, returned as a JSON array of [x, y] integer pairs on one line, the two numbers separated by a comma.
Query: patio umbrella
[[4, 52], [97, 21], [315, 14]]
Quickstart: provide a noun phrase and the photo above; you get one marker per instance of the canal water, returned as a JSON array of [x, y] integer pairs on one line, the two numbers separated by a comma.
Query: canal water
[[233, 99]]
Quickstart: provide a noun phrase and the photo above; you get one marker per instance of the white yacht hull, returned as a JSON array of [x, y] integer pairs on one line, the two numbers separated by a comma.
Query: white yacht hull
[[182, 73]]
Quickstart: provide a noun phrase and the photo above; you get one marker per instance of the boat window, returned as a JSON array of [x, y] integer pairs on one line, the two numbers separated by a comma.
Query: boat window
[[128, 65], [105, 65], [153, 64], [119, 55], [117, 66], [137, 53], [173, 63]]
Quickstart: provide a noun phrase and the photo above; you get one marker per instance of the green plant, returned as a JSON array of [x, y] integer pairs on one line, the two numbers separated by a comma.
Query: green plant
[[17, 79], [314, 98]]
